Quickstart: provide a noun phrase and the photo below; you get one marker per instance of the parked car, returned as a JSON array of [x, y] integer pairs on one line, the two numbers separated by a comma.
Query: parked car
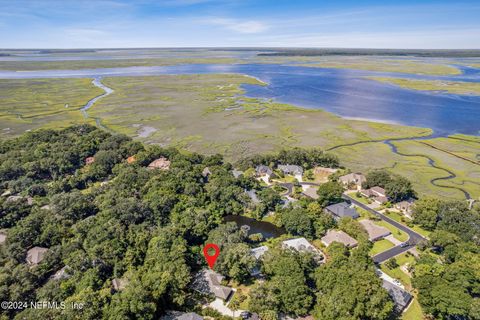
[[404, 245]]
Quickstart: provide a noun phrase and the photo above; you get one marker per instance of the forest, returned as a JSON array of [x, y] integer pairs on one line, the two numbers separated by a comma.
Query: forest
[[90, 198]]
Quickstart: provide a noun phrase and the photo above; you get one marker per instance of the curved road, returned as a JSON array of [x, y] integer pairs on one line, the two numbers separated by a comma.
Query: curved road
[[414, 237]]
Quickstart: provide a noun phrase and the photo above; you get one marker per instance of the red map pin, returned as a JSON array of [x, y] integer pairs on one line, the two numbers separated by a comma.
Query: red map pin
[[211, 258]]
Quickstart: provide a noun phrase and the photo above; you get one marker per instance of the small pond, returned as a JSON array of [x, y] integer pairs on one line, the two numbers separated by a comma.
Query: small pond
[[267, 229]]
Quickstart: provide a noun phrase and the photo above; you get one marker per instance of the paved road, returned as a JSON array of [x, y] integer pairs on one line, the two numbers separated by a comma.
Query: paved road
[[414, 237]]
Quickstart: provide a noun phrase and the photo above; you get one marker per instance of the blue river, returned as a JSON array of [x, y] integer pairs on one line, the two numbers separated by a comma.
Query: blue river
[[344, 92]]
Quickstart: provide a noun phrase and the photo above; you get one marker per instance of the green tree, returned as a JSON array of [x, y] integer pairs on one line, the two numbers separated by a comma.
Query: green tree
[[329, 193]]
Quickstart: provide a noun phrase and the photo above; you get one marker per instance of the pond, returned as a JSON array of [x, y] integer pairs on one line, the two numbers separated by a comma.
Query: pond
[[267, 229]]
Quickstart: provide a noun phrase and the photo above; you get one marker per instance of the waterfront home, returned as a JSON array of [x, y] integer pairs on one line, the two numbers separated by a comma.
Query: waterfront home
[[375, 232], [376, 193], [257, 253], [342, 210], [35, 255], [353, 180], [339, 236], [208, 282], [302, 245], [291, 169], [264, 172], [400, 297], [405, 206], [160, 163]]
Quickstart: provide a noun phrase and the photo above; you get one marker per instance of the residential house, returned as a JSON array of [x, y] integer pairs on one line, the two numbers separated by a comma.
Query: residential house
[[375, 232], [3, 236], [353, 179], [406, 207], [131, 159], [302, 245], [264, 172], [376, 193], [293, 170], [89, 160], [400, 297], [160, 163], [258, 254], [342, 210], [35, 255], [339, 236], [62, 274], [209, 282], [206, 172], [119, 284], [237, 173]]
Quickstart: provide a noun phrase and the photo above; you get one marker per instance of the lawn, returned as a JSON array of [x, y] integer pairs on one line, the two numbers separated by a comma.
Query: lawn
[[414, 311], [361, 199], [397, 233], [400, 219], [380, 246]]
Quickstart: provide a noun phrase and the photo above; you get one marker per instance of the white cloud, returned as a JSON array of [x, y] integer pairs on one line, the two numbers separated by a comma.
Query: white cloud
[[249, 26]]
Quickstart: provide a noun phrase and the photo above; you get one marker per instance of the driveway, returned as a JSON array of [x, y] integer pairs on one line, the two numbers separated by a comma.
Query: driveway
[[414, 237]]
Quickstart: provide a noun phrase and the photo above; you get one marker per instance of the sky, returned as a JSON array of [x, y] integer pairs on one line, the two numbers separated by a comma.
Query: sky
[[240, 23]]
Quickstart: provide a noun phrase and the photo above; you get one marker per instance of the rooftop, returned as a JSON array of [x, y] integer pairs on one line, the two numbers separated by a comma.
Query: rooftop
[[35, 255], [209, 282], [374, 231], [259, 251], [400, 297], [339, 236], [342, 210], [290, 169], [161, 163]]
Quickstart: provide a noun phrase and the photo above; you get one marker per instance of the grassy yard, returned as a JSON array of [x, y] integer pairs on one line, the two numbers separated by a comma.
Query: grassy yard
[[397, 233], [414, 312], [400, 219], [361, 199], [380, 246]]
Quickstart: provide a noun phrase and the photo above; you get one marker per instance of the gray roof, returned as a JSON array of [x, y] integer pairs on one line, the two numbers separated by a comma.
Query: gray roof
[[35, 255], [356, 178], [342, 210], [3, 236], [208, 282], [290, 169], [263, 170], [400, 297], [338, 236], [374, 231]]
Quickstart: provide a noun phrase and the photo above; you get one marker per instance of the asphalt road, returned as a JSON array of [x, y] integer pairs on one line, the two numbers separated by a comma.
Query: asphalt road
[[414, 237]]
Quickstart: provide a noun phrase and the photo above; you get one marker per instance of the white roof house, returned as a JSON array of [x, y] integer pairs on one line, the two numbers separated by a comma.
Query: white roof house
[[259, 252]]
